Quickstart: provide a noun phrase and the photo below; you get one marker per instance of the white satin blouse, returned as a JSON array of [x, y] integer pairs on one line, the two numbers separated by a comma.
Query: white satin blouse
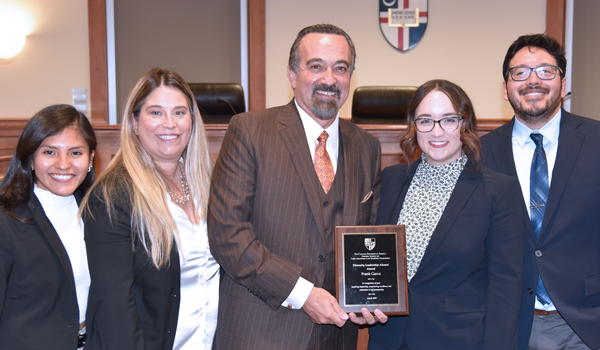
[[199, 293]]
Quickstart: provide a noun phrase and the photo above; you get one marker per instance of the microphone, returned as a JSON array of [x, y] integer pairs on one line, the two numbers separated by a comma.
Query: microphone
[[229, 104]]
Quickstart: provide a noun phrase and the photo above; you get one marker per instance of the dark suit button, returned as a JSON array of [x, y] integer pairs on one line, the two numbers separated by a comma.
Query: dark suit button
[[321, 258], [538, 253], [529, 291], [167, 332], [326, 204], [326, 230], [173, 295]]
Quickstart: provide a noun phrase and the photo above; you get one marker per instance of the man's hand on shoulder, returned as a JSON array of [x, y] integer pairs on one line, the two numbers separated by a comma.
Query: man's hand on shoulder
[[322, 308]]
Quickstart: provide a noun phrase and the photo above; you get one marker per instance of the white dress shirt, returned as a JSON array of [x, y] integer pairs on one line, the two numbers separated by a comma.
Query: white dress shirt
[[523, 149], [313, 130], [199, 293]]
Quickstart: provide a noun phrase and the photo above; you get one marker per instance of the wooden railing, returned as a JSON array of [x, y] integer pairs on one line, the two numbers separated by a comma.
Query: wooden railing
[[10, 131], [108, 140]]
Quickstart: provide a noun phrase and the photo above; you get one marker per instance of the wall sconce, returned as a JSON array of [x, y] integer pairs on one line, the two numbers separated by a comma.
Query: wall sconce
[[14, 27], [11, 46]]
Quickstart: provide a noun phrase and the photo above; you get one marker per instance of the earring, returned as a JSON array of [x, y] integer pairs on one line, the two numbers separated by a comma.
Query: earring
[[135, 131], [90, 169]]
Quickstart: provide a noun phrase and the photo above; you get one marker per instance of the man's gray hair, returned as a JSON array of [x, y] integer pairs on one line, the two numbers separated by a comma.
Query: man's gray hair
[[322, 28]]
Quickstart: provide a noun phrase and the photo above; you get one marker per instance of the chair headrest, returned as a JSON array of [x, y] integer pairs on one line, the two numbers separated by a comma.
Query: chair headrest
[[381, 104], [218, 102]]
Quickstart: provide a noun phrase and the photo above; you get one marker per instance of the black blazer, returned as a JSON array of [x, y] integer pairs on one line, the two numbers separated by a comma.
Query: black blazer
[[38, 304], [570, 235], [131, 305], [466, 291]]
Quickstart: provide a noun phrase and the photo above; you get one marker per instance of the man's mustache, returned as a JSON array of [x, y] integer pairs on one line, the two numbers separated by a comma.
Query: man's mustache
[[529, 89], [327, 88]]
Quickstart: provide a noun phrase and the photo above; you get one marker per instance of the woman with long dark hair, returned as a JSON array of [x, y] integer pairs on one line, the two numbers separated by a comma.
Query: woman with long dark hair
[[44, 278]]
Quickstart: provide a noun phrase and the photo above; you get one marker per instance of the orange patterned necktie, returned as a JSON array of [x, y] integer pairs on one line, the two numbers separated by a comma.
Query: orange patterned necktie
[[323, 165]]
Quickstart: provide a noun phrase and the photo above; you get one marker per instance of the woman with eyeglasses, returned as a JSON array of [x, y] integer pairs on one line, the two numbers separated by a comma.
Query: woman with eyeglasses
[[464, 235]]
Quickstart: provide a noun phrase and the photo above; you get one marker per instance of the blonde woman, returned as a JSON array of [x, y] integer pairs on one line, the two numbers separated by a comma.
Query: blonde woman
[[154, 282]]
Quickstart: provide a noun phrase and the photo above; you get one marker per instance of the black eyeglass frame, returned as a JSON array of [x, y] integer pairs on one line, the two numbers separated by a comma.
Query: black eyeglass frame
[[558, 69], [458, 117]]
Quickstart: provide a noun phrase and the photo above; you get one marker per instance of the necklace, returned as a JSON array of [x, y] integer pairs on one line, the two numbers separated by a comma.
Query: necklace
[[184, 187]]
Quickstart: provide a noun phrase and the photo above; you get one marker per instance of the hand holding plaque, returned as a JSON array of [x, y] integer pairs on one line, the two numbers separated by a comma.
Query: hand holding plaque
[[370, 262]]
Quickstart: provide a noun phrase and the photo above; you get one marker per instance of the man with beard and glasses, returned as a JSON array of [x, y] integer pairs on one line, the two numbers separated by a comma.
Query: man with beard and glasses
[[555, 155], [285, 177]]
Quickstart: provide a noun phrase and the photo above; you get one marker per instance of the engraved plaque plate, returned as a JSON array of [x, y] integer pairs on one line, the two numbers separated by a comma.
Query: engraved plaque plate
[[371, 268]]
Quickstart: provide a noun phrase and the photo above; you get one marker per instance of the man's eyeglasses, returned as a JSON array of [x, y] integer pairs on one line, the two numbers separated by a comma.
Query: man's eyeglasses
[[447, 124], [543, 72]]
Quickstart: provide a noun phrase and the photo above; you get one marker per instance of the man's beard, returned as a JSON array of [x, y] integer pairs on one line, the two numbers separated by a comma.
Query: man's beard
[[535, 113], [325, 109]]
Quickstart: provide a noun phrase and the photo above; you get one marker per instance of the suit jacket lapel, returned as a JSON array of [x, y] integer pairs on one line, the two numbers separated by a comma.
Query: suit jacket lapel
[[293, 136], [501, 147], [40, 218], [463, 190], [569, 144], [351, 173]]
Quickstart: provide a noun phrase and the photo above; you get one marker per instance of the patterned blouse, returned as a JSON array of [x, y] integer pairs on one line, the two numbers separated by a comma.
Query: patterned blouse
[[425, 201]]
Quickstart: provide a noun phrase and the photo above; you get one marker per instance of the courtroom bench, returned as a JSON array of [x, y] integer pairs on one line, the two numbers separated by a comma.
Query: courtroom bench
[[108, 140]]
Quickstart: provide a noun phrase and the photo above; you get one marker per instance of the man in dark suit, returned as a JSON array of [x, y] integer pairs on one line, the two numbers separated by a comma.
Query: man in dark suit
[[555, 156], [285, 177]]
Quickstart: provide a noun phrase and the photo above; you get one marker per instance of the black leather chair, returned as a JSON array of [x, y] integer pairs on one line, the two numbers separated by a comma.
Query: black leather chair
[[218, 102], [381, 104]]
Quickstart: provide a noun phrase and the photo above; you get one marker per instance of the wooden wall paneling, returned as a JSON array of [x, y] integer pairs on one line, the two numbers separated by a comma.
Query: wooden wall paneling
[[388, 136], [256, 55], [108, 140], [10, 131], [555, 19], [215, 134], [98, 62]]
